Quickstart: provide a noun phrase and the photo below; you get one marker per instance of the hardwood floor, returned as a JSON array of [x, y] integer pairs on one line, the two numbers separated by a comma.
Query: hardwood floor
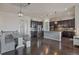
[[47, 47]]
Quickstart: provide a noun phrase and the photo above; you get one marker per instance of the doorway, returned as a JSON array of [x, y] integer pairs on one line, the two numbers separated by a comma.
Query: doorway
[[36, 29]]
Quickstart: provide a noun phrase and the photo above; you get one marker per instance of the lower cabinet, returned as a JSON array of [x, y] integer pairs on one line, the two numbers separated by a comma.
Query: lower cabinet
[[68, 34]]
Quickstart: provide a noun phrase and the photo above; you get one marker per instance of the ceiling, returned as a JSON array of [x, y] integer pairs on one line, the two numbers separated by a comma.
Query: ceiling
[[39, 10]]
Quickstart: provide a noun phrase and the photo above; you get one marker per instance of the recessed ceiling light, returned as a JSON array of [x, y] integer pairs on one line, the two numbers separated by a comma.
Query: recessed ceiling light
[[66, 9]]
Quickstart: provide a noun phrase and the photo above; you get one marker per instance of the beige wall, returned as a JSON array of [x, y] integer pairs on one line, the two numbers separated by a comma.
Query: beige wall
[[8, 21], [77, 19], [11, 22]]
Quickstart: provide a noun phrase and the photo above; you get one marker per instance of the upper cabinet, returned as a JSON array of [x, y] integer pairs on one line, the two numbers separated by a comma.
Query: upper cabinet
[[64, 24]]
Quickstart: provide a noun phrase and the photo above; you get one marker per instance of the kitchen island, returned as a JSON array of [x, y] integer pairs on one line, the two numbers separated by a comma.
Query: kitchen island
[[53, 35]]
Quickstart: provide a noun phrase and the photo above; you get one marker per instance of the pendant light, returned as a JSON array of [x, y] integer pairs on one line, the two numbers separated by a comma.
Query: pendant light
[[22, 5]]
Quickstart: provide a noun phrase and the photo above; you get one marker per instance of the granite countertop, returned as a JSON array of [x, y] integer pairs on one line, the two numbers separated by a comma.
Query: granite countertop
[[52, 31], [77, 36]]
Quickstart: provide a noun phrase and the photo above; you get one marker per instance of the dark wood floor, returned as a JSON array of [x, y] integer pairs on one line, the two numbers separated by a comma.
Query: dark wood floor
[[48, 47]]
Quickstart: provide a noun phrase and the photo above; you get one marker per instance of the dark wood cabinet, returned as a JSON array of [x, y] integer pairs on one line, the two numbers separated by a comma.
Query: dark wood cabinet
[[68, 27], [67, 23], [52, 26], [68, 34]]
